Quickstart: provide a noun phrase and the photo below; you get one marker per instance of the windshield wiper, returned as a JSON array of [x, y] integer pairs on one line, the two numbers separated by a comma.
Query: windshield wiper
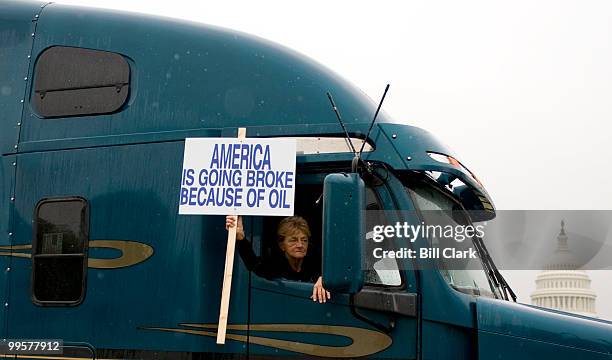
[[493, 283], [491, 270]]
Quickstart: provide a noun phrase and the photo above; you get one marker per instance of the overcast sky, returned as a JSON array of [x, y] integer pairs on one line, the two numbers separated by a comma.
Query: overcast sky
[[520, 90]]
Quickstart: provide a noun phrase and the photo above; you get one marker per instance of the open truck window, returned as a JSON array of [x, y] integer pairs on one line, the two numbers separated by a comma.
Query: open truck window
[[309, 205], [59, 252]]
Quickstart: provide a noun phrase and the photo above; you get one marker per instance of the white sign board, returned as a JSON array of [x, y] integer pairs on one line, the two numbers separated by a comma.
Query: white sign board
[[227, 176]]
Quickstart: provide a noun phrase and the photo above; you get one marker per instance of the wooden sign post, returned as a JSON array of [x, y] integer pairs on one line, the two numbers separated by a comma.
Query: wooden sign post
[[227, 273], [237, 176]]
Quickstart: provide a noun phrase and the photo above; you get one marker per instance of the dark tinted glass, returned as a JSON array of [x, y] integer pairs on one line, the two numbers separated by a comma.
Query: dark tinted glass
[[59, 228], [58, 279], [73, 81], [59, 252]]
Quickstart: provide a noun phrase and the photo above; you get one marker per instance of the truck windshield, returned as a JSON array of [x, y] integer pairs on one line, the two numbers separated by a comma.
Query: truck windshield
[[437, 208]]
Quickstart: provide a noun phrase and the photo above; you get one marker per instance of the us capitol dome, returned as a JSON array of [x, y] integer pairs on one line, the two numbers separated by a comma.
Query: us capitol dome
[[561, 285]]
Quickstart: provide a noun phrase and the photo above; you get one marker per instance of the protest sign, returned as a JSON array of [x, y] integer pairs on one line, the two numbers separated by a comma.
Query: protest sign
[[228, 176]]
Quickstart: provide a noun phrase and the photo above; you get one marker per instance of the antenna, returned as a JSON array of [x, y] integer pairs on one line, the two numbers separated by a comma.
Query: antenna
[[348, 138], [373, 120]]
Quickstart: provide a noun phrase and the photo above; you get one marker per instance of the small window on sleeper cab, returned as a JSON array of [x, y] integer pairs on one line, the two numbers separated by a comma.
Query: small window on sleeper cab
[[72, 81], [59, 251]]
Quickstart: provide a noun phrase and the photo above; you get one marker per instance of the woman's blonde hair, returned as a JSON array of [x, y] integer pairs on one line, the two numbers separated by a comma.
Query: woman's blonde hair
[[290, 225]]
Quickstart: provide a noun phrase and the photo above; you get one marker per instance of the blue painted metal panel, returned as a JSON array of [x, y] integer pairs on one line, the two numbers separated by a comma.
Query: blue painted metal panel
[[197, 80], [412, 145], [505, 347], [274, 303], [133, 195], [289, 303], [188, 76], [16, 28], [7, 177], [506, 327], [446, 341]]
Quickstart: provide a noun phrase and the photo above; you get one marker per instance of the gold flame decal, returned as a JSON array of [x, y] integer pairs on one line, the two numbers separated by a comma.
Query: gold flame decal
[[364, 342], [132, 253]]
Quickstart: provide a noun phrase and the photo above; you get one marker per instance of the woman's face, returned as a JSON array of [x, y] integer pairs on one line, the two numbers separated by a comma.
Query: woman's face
[[295, 245]]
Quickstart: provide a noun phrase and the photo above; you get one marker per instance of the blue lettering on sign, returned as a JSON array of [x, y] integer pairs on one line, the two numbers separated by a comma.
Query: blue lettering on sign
[[201, 196], [187, 177], [278, 199], [223, 177], [219, 185], [184, 196], [241, 156], [270, 179]]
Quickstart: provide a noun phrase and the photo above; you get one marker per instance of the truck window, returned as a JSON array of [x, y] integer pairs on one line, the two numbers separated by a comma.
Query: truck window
[[437, 208], [59, 251], [385, 271], [72, 81], [308, 204]]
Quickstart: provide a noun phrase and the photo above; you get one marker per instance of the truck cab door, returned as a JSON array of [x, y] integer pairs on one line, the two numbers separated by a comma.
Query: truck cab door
[[285, 321]]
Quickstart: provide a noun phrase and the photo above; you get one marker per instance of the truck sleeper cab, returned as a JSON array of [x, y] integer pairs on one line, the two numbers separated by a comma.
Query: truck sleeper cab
[[95, 106]]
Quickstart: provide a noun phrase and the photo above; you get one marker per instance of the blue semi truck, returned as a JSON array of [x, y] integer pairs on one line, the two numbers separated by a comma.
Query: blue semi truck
[[95, 106]]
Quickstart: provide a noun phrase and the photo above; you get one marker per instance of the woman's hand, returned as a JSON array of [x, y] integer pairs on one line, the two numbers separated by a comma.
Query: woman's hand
[[230, 220], [319, 293]]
